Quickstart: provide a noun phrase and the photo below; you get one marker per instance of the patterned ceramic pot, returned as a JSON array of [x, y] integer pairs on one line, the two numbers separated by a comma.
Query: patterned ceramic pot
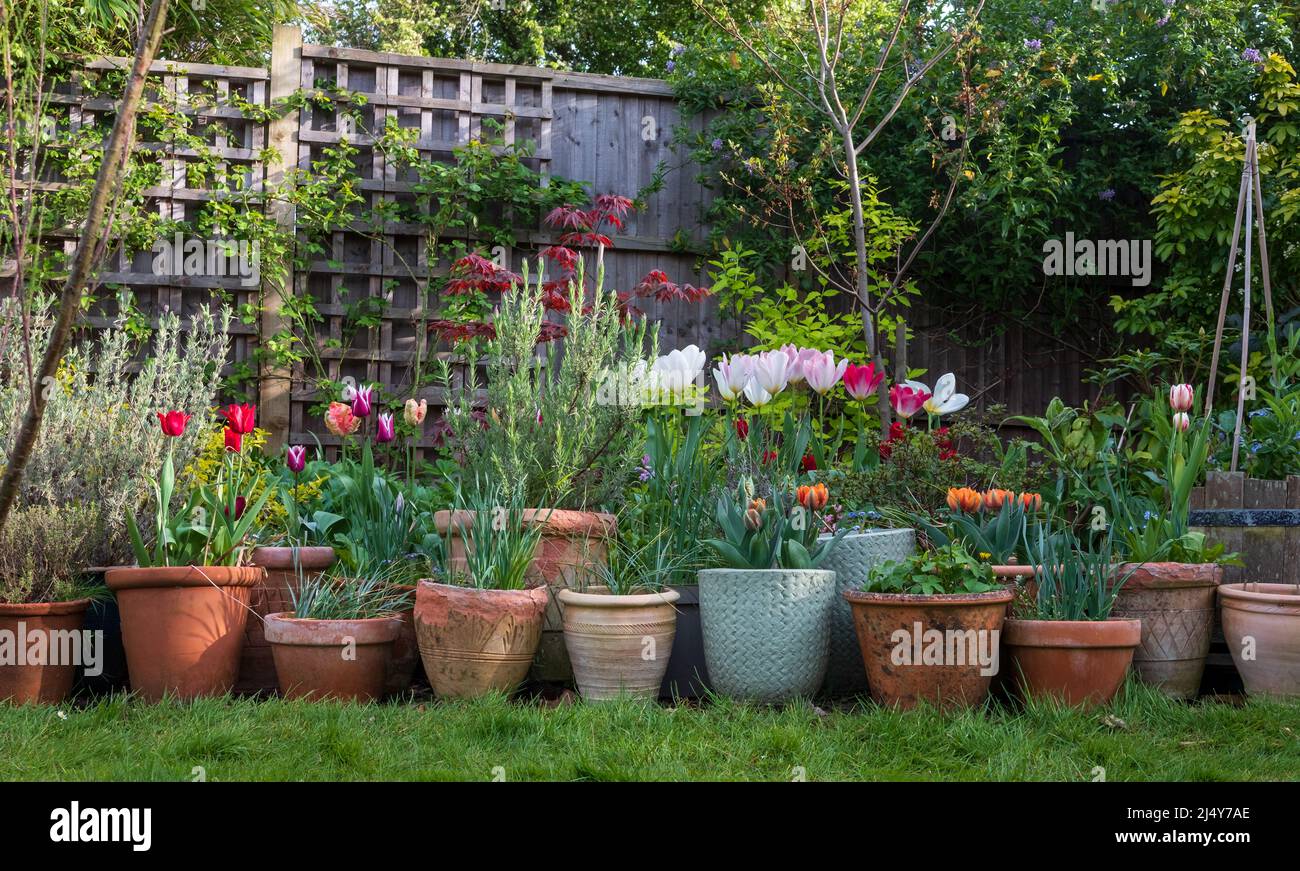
[[766, 632]]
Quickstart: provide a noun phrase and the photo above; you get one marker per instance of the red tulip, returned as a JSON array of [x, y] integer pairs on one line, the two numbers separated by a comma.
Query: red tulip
[[808, 463], [173, 422], [742, 428], [240, 418], [862, 381], [234, 440]]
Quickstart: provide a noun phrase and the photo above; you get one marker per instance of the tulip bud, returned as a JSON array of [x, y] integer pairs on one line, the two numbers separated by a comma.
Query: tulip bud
[[385, 431], [1181, 397], [415, 411], [1182, 422], [173, 423], [362, 401]]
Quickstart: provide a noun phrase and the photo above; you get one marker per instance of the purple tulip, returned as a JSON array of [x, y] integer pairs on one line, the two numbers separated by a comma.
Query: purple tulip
[[296, 459], [385, 432], [361, 401]]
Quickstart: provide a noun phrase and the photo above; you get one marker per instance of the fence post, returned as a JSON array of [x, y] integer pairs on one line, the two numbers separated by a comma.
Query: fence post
[[276, 381]]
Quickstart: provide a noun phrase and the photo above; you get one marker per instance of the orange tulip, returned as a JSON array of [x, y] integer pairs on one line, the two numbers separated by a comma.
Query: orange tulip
[[994, 499], [1031, 501], [813, 498], [754, 514], [964, 499]]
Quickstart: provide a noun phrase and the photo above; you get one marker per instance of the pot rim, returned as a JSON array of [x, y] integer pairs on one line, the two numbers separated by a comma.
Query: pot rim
[[1241, 592], [1111, 632], [1151, 575], [871, 532], [1001, 595], [717, 571], [282, 557], [555, 522], [610, 601], [282, 628], [44, 609], [138, 578], [436, 586]]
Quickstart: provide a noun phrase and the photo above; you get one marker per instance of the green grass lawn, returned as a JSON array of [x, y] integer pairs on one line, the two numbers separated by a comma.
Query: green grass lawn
[[1141, 737]]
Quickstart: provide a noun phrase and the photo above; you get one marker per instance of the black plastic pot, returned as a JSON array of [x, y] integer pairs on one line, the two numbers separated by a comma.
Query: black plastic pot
[[687, 676], [102, 616]]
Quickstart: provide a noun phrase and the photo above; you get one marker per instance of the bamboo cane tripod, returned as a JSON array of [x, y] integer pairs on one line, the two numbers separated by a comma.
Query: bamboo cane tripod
[[1250, 203]]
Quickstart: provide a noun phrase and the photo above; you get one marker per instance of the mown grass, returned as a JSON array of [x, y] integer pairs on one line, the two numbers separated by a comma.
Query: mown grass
[[1141, 737]]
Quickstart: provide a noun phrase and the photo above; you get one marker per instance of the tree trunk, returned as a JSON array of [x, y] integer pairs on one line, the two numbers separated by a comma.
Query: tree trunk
[[106, 187]]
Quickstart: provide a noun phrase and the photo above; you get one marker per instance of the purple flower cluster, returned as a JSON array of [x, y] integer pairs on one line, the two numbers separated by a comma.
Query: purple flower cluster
[[1033, 44]]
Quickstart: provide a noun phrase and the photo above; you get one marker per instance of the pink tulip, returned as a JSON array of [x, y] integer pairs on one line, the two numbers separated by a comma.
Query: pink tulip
[[821, 371], [385, 431], [861, 381], [906, 400], [1181, 397], [362, 400], [1182, 422], [296, 458]]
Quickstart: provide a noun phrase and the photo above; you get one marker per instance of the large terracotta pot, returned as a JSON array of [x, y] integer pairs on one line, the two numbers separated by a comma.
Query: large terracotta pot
[[57, 625], [940, 649], [473, 641], [285, 567], [619, 645], [852, 559], [1261, 623], [183, 626], [687, 676], [1080, 662], [1175, 602], [766, 632], [572, 542], [406, 651], [332, 659]]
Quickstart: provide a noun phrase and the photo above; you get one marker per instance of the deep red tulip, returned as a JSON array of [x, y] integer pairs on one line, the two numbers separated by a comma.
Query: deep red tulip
[[234, 440], [742, 428], [173, 422], [808, 463], [296, 458], [240, 418]]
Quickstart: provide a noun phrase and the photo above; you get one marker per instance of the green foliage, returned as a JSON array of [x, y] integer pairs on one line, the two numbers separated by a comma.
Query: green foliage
[[997, 537], [1076, 580], [758, 536], [340, 595], [551, 436], [44, 551], [499, 535], [945, 569]]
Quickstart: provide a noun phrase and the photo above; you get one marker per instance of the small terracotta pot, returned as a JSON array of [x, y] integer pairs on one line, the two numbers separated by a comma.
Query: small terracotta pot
[[619, 645], [1175, 602], [940, 649], [183, 626], [1081, 662], [332, 659], [406, 650], [572, 542], [473, 641], [49, 681], [1261, 624], [285, 566]]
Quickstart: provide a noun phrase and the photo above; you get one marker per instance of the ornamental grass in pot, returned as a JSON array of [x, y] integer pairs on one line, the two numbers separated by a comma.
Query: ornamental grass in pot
[[184, 605], [766, 615], [44, 595], [337, 641], [1067, 645], [479, 632], [620, 627], [929, 628]]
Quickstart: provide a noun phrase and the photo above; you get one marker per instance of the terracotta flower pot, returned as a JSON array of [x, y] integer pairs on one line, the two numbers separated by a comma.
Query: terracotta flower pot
[[941, 649], [1175, 602], [766, 632], [572, 542], [48, 681], [406, 651], [1081, 662], [274, 594], [852, 560], [619, 645], [332, 659], [1261, 623], [183, 626], [475, 641]]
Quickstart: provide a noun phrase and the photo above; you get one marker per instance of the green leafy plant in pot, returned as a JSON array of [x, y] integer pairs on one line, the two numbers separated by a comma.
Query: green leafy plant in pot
[[766, 615], [929, 628]]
